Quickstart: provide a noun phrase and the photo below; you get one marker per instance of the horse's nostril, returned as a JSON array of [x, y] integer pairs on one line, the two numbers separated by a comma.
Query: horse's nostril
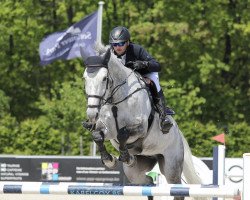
[[92, 114], [96, 116]]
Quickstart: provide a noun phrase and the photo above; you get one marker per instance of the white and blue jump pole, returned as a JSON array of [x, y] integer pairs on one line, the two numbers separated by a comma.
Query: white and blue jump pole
[[92, 189]]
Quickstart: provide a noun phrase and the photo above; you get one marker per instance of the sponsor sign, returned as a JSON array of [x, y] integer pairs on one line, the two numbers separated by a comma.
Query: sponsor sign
[[58, 168]]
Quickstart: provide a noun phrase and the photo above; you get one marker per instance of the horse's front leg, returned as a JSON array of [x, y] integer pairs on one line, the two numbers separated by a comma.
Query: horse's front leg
[[125, 157], [107, 159]]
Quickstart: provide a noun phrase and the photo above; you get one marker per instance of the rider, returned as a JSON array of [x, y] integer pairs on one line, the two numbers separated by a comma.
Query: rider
[[136, 57]]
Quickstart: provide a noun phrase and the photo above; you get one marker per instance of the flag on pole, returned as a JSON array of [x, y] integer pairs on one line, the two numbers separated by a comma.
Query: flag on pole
[[66, 44], [219, 138]]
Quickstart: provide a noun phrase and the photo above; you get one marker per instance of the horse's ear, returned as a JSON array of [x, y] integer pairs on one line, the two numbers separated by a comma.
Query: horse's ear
[[82, 52], [106, 57]]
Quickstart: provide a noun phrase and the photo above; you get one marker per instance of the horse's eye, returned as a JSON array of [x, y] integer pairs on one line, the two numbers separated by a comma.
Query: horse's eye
[[104, 79]]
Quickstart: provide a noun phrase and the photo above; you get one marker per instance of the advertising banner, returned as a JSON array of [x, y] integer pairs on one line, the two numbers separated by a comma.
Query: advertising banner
[[58, 169]]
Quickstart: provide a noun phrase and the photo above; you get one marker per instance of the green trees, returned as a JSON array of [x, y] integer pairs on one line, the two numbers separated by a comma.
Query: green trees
[[203, 48]]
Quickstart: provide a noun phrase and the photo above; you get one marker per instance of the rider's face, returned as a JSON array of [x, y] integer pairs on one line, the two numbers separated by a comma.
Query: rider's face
[[120, 49]]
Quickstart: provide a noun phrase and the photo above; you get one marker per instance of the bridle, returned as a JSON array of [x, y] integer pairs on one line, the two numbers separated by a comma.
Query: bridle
[[100, 97], [109, 100]]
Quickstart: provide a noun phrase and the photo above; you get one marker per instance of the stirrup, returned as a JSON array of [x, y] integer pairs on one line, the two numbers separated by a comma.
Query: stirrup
[[166, 125]]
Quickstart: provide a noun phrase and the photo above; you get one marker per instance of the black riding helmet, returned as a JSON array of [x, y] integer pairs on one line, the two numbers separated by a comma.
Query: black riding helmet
[[119, 34]]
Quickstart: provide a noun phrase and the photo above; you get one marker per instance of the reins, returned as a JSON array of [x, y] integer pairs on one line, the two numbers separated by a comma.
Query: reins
[[109, 99]]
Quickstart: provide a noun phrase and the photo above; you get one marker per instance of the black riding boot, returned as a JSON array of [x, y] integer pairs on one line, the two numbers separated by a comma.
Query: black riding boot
[[166, 123]]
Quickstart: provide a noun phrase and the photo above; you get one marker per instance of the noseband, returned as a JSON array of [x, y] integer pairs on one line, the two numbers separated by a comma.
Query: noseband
[[98, 96]]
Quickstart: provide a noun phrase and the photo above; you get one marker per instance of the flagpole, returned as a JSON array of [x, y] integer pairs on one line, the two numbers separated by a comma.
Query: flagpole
[[98, 40], [99, 22]]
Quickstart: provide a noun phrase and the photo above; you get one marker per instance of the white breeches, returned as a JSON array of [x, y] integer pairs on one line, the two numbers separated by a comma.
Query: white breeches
[[154, 76]]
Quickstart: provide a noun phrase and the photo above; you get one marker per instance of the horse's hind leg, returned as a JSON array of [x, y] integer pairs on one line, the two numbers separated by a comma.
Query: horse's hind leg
[[171, 167], [107, 159], [136, 173]]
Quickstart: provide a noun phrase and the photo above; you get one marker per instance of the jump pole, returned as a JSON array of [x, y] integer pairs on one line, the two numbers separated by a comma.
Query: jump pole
[[84, 189]]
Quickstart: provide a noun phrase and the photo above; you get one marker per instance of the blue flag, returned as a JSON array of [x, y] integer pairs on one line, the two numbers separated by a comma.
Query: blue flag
[[66, 44]]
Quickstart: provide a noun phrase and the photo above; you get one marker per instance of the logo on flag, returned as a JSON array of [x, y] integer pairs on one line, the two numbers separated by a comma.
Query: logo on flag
[[66, 44]]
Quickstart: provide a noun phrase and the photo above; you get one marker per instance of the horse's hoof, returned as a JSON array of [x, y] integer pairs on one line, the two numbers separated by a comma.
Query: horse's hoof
[[111, 164], [124, 156]]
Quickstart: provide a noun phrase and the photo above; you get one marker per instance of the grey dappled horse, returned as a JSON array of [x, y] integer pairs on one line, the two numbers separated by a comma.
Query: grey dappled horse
[[119, 109]]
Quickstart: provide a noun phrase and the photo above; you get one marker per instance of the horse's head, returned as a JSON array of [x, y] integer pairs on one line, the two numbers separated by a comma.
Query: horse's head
[[96, 84]]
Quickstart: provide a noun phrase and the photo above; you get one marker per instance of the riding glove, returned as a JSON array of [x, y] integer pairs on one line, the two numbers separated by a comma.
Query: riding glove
[[137, 65]]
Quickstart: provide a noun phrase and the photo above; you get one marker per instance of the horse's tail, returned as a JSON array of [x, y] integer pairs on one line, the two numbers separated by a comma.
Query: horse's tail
[[189, 171]]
